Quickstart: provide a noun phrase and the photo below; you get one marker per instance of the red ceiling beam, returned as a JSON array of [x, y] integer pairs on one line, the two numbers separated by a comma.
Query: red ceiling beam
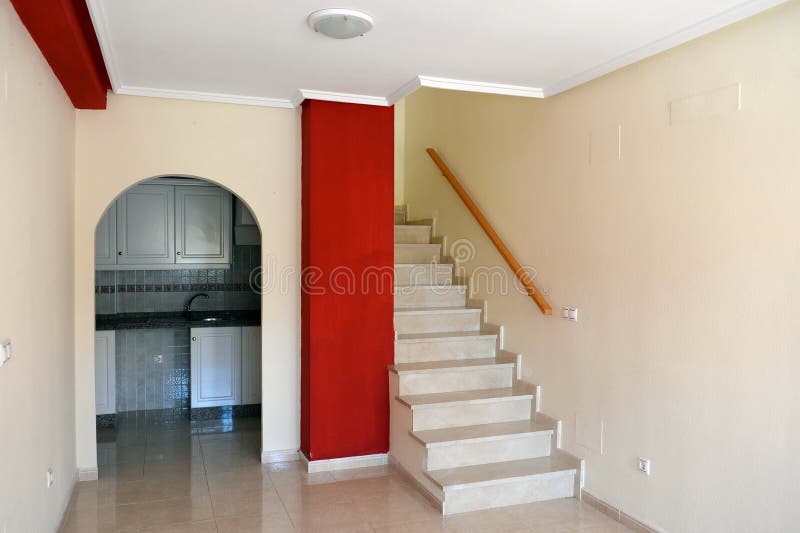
[[64, 33]]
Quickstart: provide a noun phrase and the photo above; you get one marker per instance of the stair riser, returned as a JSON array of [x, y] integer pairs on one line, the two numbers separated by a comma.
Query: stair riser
[[470, 414], [412, 235], [448, 350], [427, 297], [456, 380], [527, 490], [469, 453], [430, 274], [417, 254], [437, 322]]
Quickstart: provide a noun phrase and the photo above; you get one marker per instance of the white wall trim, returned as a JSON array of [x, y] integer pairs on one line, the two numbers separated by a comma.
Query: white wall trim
[[345, 463], [87, 473], [206, 97], [279, 456], [481, 87], [346, 98], [404, 90], [715, 22], [100, 23]]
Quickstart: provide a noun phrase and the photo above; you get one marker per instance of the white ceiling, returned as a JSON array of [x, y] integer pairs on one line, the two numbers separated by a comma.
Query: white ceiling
[[262, 52]]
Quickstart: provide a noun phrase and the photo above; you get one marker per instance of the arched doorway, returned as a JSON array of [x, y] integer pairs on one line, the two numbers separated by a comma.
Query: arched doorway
[[177, 329]]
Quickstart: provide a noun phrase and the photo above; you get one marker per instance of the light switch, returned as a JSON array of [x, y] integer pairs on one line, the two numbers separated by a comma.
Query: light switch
[[570, 313]]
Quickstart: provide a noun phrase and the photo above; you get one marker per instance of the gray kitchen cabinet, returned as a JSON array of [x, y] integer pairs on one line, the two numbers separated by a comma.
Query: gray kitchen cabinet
[[105, 238], [216, 366], [146, 226], [202, 225]]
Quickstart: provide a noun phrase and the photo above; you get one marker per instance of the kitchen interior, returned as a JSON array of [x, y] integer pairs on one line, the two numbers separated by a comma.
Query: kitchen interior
[[178, 336]]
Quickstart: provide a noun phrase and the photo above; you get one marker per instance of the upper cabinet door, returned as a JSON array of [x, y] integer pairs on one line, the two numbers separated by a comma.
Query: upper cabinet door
[[146, 225], [105, 238], [202, 225]]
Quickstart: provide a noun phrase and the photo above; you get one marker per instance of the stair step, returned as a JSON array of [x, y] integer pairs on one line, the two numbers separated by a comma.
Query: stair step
[[417, 253], [450, 376], [423, 274], [436, 319], [430, 296], [484, 443], [441, 346], [412, 234], [470, 488], [467, 408], [482, 432]]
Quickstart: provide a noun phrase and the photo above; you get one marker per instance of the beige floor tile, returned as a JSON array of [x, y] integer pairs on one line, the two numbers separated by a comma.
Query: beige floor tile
[[239, 478], [296, 497], [206, 526], [177, 511], [427, 526], [230, 502], [488, 521], [277, 522], [394, 508], [332, 518], [102, 519]]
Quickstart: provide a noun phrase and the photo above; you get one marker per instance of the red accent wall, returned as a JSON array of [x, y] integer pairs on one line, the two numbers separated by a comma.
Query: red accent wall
[[347, 323], [63, 31]]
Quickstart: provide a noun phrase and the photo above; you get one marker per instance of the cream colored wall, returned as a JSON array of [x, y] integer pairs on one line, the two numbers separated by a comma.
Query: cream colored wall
[[36, 209], [680, 250], [254, 152], [399, 151]]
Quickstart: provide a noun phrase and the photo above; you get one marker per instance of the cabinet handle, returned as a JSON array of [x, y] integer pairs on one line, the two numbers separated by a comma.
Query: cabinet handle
[[179, 253], [194, 339], [119, 253]]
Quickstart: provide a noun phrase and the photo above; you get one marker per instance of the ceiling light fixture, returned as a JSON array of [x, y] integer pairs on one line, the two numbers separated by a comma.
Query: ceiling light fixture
[[340, 23]]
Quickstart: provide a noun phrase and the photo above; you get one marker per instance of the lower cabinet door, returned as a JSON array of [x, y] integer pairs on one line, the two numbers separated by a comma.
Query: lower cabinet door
[[251, 365], [216, 373], [105, 378]]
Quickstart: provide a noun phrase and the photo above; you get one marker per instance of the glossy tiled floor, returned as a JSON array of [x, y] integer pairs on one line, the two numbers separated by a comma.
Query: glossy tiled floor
[[177, 478]]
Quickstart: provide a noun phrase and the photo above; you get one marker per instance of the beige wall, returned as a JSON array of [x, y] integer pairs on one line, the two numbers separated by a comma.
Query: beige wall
[[37, 426], [680, 250], [254, 152]]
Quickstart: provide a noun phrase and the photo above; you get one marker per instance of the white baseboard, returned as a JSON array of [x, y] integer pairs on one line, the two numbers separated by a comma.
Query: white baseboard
[[279, 456], [87, 474], [345, 463]]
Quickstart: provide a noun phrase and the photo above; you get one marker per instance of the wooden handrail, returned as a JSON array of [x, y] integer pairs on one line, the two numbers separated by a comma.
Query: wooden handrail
[[521, 274]]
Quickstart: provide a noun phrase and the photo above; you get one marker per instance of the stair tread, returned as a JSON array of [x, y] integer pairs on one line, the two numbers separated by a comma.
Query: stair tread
[[486, 473], [418, 245], [433, 366], [433, 437], [443, 287], [438, 310], [443, 335], [404, 226], [479, 396]]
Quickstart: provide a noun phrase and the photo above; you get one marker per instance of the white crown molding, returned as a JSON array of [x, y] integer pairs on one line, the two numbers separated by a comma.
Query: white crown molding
[[404, 91], [715, 22], [207, 97], [100, 22], [346, 98], [480, 87]]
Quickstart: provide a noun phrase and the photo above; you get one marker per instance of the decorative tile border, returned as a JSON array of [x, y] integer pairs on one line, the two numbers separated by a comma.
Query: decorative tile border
[[172, 287], [617, 515]]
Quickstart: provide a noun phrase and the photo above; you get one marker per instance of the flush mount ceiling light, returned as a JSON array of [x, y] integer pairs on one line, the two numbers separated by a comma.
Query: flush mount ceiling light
[[340, 23]]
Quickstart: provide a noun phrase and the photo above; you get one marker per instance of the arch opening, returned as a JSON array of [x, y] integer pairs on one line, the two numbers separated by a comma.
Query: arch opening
[[178, 311]]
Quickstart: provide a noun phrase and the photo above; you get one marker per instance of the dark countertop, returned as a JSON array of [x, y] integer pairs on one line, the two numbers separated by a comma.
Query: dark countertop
[[179, 320]]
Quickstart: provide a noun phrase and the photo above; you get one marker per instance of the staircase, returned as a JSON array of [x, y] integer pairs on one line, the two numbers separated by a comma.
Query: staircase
[[462, 426]]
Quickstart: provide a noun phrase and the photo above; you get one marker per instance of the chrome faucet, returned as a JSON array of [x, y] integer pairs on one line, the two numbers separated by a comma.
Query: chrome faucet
[[193, 298]]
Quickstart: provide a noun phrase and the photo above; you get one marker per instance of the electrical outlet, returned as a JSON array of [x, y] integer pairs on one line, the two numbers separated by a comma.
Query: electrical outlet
[[644, 465], [569, 313], [6, 351], [51, 478]]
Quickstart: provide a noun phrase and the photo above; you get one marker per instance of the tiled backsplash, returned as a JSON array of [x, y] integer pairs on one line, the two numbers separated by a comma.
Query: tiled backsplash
[[152, 369], [143, 291]]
